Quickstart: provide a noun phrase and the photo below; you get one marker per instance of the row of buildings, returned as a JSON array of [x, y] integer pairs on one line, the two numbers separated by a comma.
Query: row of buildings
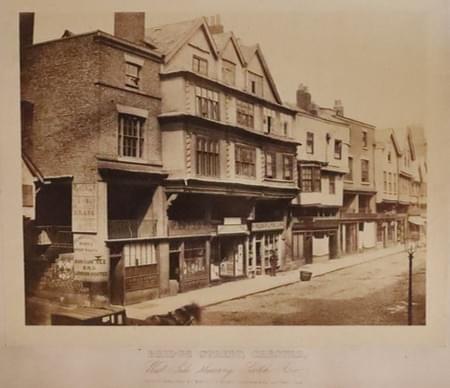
[[160, 160]]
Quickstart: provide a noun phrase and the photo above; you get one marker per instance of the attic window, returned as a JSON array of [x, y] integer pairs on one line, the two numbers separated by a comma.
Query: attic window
[[199, 65], [228, 72], [255, 84]]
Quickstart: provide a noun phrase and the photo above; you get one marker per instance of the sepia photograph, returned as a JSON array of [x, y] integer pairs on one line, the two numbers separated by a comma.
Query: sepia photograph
[[216, 170]]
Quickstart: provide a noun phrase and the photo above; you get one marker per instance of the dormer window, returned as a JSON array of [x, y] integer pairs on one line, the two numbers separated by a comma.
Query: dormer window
[[228, 72], [199, 65]]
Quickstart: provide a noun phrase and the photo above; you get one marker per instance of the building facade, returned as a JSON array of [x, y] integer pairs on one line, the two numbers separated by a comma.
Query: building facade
[[90, 124], [228, 150], [322, 164]]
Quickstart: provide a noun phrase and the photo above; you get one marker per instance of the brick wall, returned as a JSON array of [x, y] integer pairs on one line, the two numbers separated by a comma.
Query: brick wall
[[74, 85]]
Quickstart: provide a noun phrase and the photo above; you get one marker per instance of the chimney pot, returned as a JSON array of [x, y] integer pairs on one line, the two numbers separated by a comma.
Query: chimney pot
[[338, 107], [303, 97], [26, 28], [130, 26], [214, 25]]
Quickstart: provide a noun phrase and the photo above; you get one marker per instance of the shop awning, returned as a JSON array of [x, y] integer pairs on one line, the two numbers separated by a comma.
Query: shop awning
[[417, 220]]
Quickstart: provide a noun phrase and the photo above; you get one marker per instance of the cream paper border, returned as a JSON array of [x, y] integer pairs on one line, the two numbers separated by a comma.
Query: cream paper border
[[335, 347]]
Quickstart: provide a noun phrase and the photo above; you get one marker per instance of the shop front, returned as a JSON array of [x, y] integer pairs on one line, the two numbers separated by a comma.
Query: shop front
[[265, 239], [228, 253]]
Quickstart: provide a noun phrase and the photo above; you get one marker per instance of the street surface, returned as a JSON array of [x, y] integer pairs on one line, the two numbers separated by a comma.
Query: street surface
[[373, 293]]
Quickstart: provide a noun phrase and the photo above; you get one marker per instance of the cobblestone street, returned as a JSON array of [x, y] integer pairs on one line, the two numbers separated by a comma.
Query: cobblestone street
[[373, 293]]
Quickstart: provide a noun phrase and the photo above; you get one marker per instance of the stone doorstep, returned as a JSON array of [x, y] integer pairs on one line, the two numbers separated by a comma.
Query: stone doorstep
[[165, 305]]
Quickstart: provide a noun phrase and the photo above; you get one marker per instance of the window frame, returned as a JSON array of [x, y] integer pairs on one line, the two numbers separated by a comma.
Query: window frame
[[365, 139], [207, 156], [363, 180], [132, 80], [310, 142], [273, 165], [331, 184], [338, 149], [288, 167], [197, 62], [245, 166], [207, 103], [253, 81], [310, 179], [245, 113], [130, 145], [230, 68], [349, 175]]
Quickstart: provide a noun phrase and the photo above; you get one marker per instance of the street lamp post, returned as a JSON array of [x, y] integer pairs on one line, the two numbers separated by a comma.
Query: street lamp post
[[411, 251]]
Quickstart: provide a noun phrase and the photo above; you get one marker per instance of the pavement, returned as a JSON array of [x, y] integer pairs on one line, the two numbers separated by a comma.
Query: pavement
[[241, 288]]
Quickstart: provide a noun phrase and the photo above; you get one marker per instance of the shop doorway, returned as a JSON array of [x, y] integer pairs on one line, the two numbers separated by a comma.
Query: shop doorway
[[308, 248], [232, 257], [174, 266], [333, 245]]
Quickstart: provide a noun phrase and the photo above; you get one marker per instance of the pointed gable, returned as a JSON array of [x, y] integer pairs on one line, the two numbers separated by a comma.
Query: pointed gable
[[257, 64], [229, 47], [171, 38]]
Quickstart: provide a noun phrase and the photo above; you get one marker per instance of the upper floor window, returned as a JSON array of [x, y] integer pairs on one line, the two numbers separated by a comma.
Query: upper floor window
[[389, 156], [338, 149], [365, 141], [269, 120], [200, 65], [228, 72], [245, 113], [132, 73], [394, 183], [364, 170], [310, 180], [255, 83], [207, 103], [390, 183], [349, 175], [288, 167], [285, 128], [207, 162], [385, 181], [131, 136], [271, 165], [332, 182], [309, 142], [245, 161]]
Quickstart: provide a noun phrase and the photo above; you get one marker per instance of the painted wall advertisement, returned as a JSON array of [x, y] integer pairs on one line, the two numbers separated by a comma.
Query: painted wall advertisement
[[89, 263], [84, 207]]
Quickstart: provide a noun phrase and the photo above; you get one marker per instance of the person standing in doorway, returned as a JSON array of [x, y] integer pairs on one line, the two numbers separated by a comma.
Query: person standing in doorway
[[273, 263]]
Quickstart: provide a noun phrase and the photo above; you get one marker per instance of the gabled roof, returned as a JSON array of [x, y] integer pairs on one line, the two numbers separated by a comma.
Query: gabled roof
[[170, 38], [222, 40], [249, 52]]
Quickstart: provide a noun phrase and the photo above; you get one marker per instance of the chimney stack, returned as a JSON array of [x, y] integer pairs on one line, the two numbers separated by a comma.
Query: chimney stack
[[26, 29], [130, 26], [338, 107], [214, 24], [303, 97]]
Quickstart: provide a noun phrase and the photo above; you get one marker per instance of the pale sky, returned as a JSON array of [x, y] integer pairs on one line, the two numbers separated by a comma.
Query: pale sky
[[372, 57]]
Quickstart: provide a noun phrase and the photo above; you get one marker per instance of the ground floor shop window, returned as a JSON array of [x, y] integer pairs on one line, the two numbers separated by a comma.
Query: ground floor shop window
[[260, 250], [194, 257], [380, 232]]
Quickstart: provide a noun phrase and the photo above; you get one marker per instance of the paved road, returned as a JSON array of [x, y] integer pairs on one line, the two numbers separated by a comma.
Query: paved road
[[373, 293]]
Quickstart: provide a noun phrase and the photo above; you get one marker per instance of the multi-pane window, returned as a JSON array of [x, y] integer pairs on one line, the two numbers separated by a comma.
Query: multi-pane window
[[349, 175], [207, 103], [338, 149], [310, 179], [390, 183], [194, 257], [132, 72], [228, 72], [269, 120], [137, 254], [200, 65], [255, 83], [332, 181], [285, 128], [395, 183], [309, 142], [245, 158], [131, 136], [389, 158], [271, 165], [207, 162], [245, 113], [288, 167], [364, 170], [365, 141], [385, 181]]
